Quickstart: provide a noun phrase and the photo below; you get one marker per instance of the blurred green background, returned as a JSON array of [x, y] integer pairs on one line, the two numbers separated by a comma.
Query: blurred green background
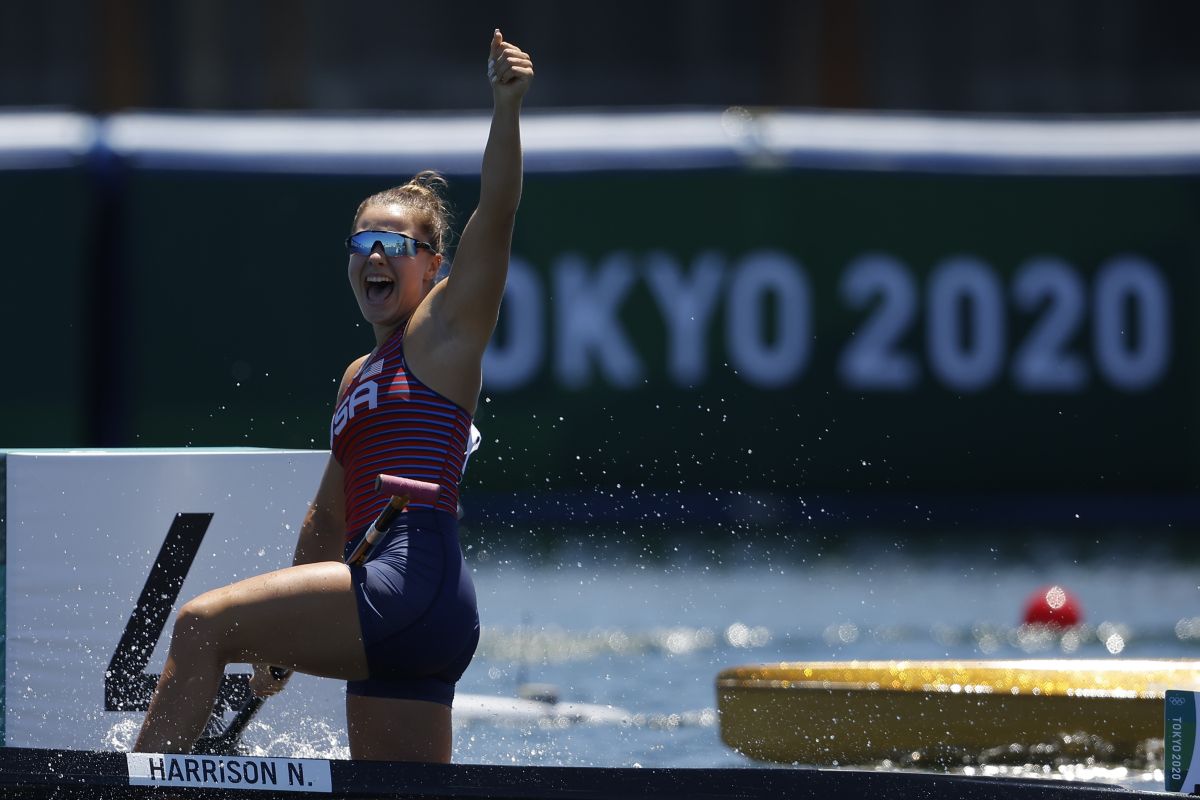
[[221, 316]]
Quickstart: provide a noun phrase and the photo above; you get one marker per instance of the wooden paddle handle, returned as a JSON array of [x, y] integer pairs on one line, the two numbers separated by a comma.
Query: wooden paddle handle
[[374, 533], [411, 490]]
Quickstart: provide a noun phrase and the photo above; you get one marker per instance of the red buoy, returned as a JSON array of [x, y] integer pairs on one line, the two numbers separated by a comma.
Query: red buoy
[[1052, 605]]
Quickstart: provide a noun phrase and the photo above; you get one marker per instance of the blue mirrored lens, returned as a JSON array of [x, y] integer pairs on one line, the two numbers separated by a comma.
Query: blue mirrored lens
[[394, 244]]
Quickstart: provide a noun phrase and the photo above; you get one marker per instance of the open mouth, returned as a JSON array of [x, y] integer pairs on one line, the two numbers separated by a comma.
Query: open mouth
[[379, 288]]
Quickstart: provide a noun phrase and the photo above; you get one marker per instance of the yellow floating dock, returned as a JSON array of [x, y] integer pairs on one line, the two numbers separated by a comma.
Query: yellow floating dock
[[857, 712]]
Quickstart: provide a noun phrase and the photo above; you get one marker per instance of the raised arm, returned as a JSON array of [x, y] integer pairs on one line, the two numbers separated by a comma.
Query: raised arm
[[472, 293]]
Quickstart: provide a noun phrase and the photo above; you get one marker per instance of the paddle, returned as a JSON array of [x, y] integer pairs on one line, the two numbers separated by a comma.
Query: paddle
[[402, 490], [225, 743]]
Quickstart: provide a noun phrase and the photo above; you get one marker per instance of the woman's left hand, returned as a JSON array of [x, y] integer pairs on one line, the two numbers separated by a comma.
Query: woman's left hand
[[510, 70]]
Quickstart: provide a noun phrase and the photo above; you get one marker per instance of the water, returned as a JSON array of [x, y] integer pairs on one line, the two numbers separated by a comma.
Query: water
[[647, 630]]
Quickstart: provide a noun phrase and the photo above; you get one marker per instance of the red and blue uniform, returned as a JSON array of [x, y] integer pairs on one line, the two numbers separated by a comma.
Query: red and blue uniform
[[416, 602], [388, 422]]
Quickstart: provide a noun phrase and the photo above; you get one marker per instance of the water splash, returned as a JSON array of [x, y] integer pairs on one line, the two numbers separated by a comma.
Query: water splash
[[120, 736], [307, 738]]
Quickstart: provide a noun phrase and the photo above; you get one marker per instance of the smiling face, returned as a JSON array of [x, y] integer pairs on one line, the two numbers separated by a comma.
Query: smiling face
[[389, 288]]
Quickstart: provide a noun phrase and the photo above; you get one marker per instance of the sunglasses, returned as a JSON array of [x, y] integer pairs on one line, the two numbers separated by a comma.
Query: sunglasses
[[394, 244]]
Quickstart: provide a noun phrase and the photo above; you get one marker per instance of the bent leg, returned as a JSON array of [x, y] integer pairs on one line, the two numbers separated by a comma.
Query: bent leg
[[390, 729], [304, 618]]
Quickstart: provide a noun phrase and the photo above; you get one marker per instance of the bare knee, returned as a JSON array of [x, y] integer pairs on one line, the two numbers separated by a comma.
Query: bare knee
[[199, 628]]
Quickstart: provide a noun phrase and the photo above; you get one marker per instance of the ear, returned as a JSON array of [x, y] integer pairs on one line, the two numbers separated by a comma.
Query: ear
[[434, 264]]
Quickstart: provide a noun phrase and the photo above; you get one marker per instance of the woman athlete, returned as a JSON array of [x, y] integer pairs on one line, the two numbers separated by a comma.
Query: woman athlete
[[401, 628]]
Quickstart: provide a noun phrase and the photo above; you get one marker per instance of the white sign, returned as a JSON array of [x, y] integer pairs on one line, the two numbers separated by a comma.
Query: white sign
[[84, 531], [229, 772]]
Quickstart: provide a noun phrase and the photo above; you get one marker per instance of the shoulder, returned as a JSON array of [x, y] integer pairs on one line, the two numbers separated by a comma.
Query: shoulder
[[349, 374], [441, 354]]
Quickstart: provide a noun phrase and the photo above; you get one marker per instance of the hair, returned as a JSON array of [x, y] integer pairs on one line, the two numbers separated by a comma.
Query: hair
[[425, 196]]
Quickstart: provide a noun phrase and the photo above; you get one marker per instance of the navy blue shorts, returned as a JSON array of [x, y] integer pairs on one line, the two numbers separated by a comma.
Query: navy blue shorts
[[416, 606]]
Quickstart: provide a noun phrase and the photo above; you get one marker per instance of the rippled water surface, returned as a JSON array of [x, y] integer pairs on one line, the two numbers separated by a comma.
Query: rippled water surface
[[646, 630]]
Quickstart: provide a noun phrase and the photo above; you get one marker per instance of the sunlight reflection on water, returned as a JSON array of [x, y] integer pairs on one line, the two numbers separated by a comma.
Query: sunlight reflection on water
[[648, 636]]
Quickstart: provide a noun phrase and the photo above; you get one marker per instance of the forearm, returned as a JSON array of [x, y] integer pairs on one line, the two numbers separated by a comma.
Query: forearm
[[501, 174]]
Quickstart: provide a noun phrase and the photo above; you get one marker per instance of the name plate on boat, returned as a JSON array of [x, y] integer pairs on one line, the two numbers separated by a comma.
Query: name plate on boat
[[230, 772], [1181, 767]]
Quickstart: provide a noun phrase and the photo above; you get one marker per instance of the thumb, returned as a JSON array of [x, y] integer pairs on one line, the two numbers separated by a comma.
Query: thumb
[[497, 43]]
